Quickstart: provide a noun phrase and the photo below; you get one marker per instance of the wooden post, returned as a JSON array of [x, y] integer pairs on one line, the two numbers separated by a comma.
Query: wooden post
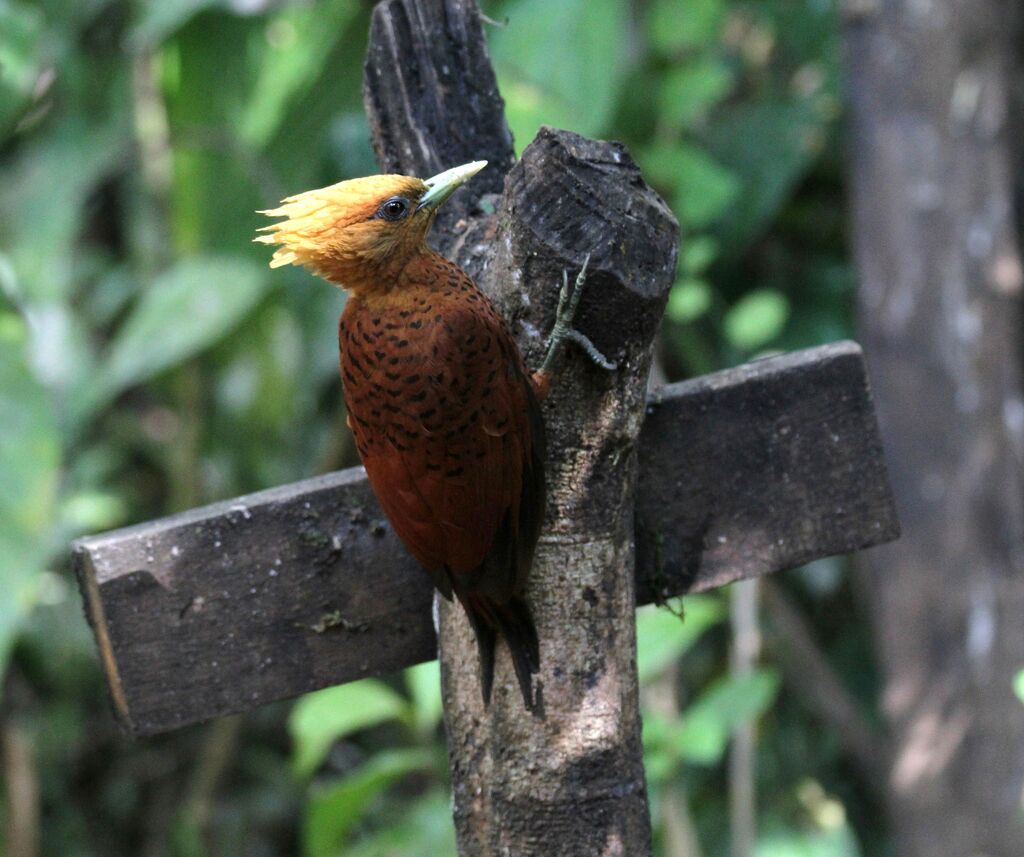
[[571, 780], [533, 785]]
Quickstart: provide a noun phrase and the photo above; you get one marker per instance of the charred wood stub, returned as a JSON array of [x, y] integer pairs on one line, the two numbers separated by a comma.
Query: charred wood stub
[[566, 199]]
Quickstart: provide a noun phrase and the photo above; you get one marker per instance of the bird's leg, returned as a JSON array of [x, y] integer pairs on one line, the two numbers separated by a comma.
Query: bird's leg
[[563, 331]]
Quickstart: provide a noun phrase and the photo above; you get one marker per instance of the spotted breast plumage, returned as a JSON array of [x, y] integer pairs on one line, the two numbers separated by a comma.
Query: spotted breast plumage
[[449, 429], [444, 413]]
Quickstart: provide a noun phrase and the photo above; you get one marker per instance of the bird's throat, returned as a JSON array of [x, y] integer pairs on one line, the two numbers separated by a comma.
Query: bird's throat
[[389, 281]]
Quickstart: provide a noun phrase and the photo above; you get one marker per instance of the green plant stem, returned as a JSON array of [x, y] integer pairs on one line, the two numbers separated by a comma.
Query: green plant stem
[[746, 648], [21, 792]]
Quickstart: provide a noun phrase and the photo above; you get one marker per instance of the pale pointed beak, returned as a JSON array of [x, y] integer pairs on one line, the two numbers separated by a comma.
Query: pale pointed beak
[[443, 185]]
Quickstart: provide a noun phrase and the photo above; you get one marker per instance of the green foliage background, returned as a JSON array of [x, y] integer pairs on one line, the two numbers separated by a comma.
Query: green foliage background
[[150, 361]]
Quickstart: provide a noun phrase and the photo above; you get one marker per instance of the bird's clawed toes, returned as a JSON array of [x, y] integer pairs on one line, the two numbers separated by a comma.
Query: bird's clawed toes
[[563, 330]]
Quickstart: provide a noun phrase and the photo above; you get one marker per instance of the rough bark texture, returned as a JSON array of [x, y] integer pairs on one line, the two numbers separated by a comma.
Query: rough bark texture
[[225, 608], [571, 781], [941, 325]]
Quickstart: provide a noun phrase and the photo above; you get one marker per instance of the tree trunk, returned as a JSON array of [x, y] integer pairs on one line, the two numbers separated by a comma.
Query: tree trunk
[[571, 781], [940, 296]]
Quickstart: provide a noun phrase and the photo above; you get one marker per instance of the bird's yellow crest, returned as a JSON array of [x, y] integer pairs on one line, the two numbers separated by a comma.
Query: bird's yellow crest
[[357, 233]]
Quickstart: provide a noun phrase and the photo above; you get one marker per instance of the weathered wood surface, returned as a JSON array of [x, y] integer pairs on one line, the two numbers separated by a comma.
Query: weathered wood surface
[[776, 463], [266, 596], [432, 102]]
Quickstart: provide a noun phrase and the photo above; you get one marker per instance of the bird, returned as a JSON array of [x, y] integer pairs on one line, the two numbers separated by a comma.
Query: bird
[[445, 414]]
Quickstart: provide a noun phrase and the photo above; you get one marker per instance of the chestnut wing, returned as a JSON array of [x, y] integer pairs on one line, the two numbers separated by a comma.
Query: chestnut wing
[[453, 445]]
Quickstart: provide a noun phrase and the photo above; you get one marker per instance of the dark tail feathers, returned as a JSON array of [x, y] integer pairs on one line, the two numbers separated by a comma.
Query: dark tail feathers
[[512, 621]]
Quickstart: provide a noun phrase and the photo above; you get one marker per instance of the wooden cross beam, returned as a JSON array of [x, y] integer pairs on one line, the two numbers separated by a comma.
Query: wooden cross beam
[[234, 605]]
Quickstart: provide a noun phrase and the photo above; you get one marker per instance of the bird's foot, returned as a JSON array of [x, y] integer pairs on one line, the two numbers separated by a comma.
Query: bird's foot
[[563, 331]]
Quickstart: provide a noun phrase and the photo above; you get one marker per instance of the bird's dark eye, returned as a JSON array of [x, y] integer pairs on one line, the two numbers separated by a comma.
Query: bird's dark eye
[[393, 209]]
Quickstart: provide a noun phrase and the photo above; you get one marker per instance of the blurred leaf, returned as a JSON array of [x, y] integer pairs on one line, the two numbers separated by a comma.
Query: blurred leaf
[[768, 148], [806, 33], [21, 28], [257, 384], [349, 144], [756, 319], [321, 718], [60, 351], [42, 199], [424, 829], [560, 62], [689, 91], [726, 703], [62, 650], [1018, 685], [215, 191], [110, 294], [159, 19], [333, 811], [662, 636], [306, 131], [701, 189], [424, 683], [822, 297], [673, 26], [299, 41], [29, 462], [661, 758], [688, 300], [91, 512], [188, 307], [697, 253], [835, 841]]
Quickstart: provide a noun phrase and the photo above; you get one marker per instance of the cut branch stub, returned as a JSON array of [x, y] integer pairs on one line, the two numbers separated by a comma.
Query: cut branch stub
[[519, 781], [430, 91], [228, 607], [568, 198]]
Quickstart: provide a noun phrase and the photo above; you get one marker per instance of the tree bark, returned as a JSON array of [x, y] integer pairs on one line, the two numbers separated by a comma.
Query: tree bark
[[570, 781], [940, 299]]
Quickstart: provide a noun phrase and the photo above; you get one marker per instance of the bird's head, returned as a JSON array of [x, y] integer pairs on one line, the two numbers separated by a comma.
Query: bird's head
[[358, 231]]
